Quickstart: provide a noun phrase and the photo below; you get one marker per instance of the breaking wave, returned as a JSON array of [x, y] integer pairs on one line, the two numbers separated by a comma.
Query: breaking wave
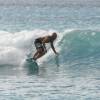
[[71, 44]]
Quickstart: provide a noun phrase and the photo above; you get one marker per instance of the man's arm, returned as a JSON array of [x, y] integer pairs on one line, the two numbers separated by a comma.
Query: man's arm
[[52, 46]]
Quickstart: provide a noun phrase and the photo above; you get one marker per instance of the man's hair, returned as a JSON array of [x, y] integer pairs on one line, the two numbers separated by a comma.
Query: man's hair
[[54, 35]]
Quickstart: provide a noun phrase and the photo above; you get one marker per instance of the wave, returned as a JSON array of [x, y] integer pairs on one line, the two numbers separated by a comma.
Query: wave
[[80, 44], [71, 44]]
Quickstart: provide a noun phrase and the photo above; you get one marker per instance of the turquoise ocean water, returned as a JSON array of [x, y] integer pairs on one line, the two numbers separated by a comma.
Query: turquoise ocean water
[[74, 74]]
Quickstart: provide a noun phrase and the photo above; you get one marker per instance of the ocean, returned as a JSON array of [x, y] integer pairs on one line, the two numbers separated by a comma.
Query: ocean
[[74, 74]]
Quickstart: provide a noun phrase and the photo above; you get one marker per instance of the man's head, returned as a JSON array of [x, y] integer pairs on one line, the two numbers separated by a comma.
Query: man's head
[[54, 36]]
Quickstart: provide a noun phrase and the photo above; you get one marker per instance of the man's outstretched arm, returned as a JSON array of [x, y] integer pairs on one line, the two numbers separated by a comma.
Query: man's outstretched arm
[[52, 46]]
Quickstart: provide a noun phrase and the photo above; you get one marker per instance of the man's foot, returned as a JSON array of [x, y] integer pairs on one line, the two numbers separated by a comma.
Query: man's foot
[[30, 59], [34, 59]]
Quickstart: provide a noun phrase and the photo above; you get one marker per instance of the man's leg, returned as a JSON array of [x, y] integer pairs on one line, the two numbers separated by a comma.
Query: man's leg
[[38, 54], [35, 54]]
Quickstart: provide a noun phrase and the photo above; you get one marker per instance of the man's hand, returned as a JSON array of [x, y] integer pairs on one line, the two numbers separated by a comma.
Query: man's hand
[[57, 53]]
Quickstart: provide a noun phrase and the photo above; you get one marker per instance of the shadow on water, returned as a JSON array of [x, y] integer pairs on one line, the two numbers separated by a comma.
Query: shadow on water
[[31, 67]]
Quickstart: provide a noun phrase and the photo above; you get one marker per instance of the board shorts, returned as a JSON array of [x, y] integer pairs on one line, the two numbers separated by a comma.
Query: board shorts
[[39, 45]]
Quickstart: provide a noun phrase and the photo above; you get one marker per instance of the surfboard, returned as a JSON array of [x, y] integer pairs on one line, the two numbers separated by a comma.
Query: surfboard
[[31, 66], [32, 61]]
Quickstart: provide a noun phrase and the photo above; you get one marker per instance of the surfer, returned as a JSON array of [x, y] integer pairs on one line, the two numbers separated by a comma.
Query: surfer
[[40, 45]]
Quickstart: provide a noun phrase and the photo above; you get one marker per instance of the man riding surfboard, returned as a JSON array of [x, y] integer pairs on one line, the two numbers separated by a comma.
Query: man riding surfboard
[[40, 45]]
